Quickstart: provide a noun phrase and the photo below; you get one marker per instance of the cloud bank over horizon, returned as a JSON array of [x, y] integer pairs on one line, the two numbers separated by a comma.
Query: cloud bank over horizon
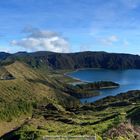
[[37, 39]]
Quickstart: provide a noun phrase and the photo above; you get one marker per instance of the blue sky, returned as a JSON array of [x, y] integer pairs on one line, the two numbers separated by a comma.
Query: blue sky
[[70, 25]]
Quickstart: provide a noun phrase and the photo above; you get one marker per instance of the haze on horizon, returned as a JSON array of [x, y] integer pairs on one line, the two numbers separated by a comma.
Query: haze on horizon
[[70, 26]]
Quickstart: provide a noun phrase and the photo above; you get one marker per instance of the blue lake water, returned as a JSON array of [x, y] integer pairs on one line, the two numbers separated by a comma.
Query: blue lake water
[[128, 80]]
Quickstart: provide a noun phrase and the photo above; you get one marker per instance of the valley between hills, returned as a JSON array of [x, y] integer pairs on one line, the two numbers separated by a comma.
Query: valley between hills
[[37, 100]]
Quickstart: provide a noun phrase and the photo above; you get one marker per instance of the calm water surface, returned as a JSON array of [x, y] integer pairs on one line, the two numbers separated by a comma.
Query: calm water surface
[[128, 80]]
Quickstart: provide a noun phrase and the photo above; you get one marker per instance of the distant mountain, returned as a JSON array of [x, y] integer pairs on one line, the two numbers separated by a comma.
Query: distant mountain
[[77, 60], [4, 55]]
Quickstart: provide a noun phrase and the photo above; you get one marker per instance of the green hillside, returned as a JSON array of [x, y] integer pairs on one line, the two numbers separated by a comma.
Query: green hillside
[[36, 101], [110, 118], [28, 89]]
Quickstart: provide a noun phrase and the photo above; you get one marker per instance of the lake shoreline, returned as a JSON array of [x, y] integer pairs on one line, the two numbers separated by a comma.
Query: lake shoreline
[[110, 87], [125, 77], [76, 70]]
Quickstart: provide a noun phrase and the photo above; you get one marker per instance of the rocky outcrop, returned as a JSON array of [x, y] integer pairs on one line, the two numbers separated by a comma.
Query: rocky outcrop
[[125, 130], [50, 106], [5, 75]]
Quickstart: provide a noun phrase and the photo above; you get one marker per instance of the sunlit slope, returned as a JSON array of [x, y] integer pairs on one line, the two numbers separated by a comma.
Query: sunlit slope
[[29, 87], [23, 91]]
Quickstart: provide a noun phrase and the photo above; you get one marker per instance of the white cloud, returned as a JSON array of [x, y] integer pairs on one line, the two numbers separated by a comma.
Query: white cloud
[[42, 40], [109, 40]]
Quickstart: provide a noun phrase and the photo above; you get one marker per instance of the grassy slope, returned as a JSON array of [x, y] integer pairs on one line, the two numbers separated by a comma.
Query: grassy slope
[[100, 118], [28, 89]]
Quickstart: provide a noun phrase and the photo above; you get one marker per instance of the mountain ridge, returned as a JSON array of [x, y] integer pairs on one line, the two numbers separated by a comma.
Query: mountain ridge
[[88, 59]]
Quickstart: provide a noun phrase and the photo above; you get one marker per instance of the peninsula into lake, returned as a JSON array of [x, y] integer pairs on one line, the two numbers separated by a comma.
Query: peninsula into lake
[[85, 89]]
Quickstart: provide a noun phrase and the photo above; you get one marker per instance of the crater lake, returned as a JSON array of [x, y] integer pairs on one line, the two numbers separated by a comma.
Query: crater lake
[[128, 80]]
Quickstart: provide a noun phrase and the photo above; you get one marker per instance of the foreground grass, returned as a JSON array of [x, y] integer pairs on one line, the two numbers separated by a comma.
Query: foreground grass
[[89, 124]]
